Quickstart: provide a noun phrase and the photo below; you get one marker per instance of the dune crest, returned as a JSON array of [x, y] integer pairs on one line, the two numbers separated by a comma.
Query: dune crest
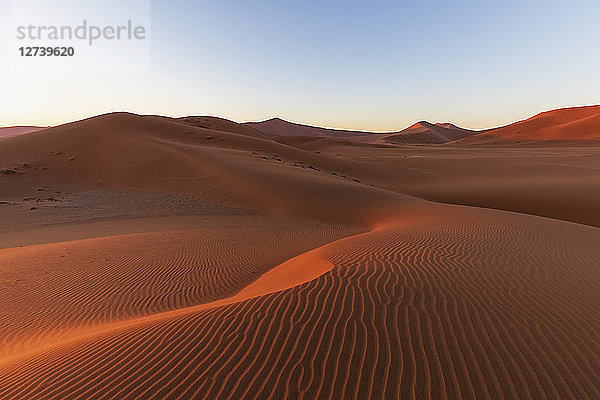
[[280, 127]]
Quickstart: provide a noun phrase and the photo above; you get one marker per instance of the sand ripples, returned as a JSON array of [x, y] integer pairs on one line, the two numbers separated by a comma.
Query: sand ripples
[[438, 308], [54, 290]]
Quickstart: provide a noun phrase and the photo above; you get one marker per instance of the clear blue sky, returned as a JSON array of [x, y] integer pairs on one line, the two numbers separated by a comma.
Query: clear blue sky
[[371, 65]]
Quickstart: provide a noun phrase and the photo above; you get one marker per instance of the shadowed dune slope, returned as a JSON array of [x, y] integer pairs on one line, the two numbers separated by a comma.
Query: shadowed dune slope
[[221, 124], [568, 124], [153, 154], [280, 127], [554, 180], [420, 133], [432, 307]]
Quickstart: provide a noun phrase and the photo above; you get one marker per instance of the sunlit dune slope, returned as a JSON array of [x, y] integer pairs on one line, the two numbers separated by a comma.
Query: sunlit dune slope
[[566, 124], [66, 286]]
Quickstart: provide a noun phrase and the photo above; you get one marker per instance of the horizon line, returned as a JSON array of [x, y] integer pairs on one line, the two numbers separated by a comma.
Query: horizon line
[[308, 124]]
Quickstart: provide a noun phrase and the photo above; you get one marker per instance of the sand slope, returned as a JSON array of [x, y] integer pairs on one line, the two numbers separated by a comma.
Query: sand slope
[[67, 286], [428, 133], [407, 311], [220, 124], [567, 124], [280, 127], [422, 132], [140, 155], [17, 130]]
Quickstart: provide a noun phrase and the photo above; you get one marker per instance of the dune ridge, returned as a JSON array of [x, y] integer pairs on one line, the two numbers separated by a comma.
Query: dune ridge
[[280, 127], [100, 280]]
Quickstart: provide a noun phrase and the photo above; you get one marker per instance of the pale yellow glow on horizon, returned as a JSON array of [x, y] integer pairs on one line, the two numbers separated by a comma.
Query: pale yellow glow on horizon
[[367, 126]]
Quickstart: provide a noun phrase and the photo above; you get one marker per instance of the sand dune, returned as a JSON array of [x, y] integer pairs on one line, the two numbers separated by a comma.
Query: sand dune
[[407, 311], [154, 257], [158, 156], [17, 130], [566, 124], [123, 276], [224, 125], [280, 127], [428, 133], [420, 133]]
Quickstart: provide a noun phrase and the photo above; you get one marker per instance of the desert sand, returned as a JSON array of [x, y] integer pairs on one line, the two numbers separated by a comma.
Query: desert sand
[[577, 123], [17, 130], [181, 258]]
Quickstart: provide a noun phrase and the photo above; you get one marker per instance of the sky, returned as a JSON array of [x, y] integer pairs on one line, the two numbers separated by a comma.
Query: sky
[[367, 65]]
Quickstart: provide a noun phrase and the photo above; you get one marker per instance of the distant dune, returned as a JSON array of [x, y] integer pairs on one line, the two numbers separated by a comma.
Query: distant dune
[[148, 257], [566, 124], [428, 133], [223, 125], [18, 130], [420, 133], [279, 127]]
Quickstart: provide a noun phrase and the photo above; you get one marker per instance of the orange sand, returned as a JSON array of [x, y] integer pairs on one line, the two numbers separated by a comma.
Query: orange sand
[[151, 257]]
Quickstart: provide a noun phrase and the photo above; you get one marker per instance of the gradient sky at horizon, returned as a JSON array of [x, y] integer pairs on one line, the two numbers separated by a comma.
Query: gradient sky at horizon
[[369, 65]]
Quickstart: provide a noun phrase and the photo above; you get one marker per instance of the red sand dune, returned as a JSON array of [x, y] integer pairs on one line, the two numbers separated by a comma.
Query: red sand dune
[[152, 257], [426, 132], [408, 311], [576, 123], [566, 124]]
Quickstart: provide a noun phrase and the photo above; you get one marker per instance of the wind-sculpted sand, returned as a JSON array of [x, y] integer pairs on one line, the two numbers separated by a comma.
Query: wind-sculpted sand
[[253, 268], [62, 287], [460, 304]]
